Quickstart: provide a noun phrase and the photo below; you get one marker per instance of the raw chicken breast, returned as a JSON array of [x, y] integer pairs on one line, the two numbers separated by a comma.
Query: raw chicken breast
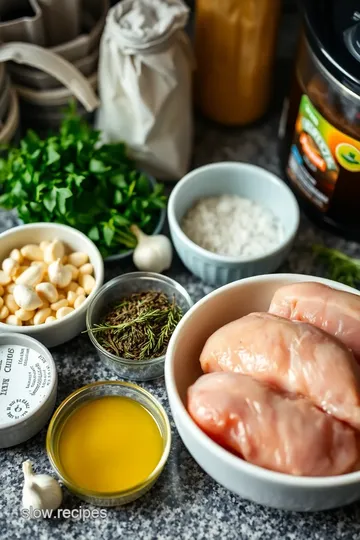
[[336, 312], [277, 431], [294, 356]]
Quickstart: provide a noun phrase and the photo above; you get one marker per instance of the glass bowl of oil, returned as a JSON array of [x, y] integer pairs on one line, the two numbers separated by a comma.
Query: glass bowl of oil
[[113, 293], [108, 442]]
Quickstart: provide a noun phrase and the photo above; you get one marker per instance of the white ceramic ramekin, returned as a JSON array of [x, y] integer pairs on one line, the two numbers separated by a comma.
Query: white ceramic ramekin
[[247, 181]]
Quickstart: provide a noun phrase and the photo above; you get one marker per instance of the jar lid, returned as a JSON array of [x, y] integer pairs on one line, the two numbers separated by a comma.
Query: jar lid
[[333, 32], [28, 385]]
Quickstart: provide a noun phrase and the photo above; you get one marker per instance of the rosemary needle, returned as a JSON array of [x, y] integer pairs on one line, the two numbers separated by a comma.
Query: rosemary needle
[[139, 327]]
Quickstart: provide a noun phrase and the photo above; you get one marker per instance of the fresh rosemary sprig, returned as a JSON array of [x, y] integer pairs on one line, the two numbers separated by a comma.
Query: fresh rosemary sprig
[[139, 327], [338, 266]]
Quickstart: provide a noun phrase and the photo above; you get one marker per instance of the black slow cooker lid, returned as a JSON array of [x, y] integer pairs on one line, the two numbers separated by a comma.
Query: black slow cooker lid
[[333, 32]]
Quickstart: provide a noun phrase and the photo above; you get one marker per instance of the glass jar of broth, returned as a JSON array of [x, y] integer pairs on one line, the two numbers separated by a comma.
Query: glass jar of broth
[[320, 128], [235, 48]]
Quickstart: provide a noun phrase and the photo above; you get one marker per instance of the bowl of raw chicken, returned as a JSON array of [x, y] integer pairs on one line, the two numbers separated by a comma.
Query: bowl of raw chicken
[[263, 381]]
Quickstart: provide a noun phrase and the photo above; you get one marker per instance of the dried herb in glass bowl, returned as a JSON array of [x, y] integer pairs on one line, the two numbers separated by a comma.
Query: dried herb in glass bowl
[[139, 327]]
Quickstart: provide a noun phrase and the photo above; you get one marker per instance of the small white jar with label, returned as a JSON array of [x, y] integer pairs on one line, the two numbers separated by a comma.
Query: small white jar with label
[[28, 386]]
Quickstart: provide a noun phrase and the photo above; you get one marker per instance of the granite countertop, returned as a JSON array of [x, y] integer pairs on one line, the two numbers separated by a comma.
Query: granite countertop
[[185, 503]]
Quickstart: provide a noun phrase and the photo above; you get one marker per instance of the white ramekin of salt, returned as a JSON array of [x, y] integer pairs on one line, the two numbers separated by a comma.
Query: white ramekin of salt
[[233, 226], [28, 386], [232, 220]]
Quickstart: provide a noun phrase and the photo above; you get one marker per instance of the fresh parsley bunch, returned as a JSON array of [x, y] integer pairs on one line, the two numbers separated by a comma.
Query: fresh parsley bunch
[[72, 178]]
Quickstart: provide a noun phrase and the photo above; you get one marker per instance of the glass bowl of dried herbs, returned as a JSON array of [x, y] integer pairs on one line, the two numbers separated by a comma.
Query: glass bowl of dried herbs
[[130, 322]]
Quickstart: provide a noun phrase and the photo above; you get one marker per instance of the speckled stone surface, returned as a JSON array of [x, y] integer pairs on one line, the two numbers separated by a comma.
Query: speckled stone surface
[[185, 503]]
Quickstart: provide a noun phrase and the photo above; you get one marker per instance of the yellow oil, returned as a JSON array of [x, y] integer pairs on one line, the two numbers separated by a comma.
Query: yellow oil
[[110, 444]]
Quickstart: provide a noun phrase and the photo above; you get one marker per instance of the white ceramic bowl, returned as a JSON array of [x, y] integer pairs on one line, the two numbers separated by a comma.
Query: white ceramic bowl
[[232, 178], [65, 329], [182, 368]]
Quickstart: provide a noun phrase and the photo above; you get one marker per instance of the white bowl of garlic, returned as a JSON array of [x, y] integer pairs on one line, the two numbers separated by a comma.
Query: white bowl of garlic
[[49, 272]]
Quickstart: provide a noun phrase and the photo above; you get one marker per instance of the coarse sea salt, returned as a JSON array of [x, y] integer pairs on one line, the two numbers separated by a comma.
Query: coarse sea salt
[[233, 226]]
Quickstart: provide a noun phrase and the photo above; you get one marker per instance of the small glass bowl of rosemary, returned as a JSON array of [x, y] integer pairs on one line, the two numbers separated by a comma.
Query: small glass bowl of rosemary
[[131, 320]]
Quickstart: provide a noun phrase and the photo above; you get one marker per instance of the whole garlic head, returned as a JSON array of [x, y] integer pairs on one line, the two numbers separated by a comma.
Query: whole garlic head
[[152, 253], [40, 491]]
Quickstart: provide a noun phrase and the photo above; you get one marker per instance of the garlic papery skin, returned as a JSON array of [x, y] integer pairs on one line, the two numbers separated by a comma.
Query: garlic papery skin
[[152, 253], [40, 491]]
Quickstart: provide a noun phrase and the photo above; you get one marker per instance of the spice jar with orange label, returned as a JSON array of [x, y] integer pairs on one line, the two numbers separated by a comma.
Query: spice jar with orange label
[[235, 48], [320, 126]]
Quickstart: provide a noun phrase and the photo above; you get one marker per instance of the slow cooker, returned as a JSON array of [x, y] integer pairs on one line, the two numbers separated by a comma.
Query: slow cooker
[[320, 127]]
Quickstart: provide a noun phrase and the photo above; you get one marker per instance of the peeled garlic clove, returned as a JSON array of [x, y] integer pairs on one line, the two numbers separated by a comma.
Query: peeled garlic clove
[[48, 291], [59, 304], [87, 282], [24, 315], [42, 264], [86, 269], [78, 258], [71, 297], [20, 270], [4, 312], [79, 300], [152, 253], [74, 271], [50, 319], [26, 297], [32, 252], [43, 245], [10, 288], [80, 291], [63, 311], [59, 275], [31, 276], [73, 286], [10, 303], [16, 256], [54, 251], [5, 279], [41, 315], [10, 266], [14, 320], [40, 491]]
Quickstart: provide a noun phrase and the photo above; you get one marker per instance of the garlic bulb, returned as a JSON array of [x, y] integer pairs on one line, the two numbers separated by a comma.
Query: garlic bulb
[[152, 253], [40, 491]]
